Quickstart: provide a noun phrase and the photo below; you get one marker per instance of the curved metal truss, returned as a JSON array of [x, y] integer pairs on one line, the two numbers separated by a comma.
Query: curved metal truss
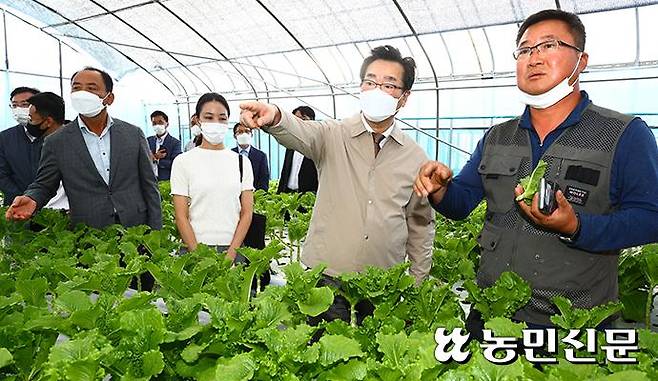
[[266, 49]]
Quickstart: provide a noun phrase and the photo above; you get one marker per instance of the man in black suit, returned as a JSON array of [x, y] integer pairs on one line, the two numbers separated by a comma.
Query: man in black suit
[[298, 173], [164, 147], [19, 150], [244, 136], [102, 162]]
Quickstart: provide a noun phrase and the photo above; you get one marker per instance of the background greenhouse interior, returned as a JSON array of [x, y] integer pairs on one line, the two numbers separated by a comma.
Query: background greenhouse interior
[[165, 54]]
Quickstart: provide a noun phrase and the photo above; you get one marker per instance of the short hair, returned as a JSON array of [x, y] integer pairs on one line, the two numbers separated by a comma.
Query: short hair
[[107, 79], [237, 125], [306, 111], [390, 53], [48, 104], [211, 97], [160, 113], [572, 20], [23, 89]]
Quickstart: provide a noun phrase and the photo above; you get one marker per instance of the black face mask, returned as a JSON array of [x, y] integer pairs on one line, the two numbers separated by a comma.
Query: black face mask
[[35, 129]]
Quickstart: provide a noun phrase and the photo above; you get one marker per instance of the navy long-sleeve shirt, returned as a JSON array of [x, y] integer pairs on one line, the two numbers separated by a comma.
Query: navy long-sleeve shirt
[[633, 186]]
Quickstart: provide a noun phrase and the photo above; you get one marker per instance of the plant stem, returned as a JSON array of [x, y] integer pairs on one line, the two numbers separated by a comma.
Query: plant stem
[[353, 316], [258, 285], [649, 306]]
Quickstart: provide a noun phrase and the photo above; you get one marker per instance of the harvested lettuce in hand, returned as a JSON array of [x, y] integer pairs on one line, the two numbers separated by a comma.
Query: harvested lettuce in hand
[[530, 183]]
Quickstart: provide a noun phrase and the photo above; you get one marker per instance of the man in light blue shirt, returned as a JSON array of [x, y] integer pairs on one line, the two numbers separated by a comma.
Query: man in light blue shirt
[[102, 162]]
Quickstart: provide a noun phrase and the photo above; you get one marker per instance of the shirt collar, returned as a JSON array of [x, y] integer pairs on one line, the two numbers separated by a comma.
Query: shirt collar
[[163, 137], [29, 136], [248, 149], [572, 119], [393, 131], [109, 124]]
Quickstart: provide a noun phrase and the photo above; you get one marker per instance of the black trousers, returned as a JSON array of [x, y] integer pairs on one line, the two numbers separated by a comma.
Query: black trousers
[[341, 308]]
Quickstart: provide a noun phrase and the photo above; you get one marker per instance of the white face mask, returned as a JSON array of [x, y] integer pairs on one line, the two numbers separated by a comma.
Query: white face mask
[[244, 139], [552, 96], [214, 132], [21, 114], [160, 129], [87, 104], [195, 130], [376, 105]]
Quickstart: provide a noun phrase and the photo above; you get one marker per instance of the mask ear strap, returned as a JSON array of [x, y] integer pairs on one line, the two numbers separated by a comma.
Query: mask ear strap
[[575, 68]]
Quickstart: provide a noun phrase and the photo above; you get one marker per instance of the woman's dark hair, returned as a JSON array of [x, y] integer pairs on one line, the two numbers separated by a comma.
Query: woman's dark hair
[[197, 140], [211, 97]]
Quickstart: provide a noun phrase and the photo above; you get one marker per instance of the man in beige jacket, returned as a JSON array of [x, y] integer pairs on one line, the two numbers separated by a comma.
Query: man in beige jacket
[[366, 213]]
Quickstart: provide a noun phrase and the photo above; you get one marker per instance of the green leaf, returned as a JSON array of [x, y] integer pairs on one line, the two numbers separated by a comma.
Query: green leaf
[[73, 301], [503, 327], [503, 299], [237, 368], [648, 341], [33, 291], [576, 318], [650, 254], [335, 348], [153, 363], [5, 357], [191, 353], [531, 184], [626, 375], [394, 348], [318, 301], [353, 370]]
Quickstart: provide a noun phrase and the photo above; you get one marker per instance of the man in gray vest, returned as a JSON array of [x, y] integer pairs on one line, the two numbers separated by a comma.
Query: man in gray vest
[[606, 164]]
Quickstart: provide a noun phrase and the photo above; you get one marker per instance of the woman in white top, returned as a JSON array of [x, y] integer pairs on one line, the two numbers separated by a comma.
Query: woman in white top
[[212, 206]]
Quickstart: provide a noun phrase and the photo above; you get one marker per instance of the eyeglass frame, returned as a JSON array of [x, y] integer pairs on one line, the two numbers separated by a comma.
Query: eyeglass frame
[[23, 104], [516, 53], [381, 85]]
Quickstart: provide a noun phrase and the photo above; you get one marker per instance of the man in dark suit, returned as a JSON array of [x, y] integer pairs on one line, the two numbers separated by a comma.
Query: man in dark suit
[[164, 147], [298, 173], [19, 150], [244, 136], [102, 162]]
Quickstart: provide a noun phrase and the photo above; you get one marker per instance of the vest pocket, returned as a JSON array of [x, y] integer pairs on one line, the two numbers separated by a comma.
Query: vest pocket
[[491, 265], [499, 178]]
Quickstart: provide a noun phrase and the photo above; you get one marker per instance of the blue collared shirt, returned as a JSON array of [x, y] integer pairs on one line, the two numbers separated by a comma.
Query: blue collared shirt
[[99, 147], [633, 186]]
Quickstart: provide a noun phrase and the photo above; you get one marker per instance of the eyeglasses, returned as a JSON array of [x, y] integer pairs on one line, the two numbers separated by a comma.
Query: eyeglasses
[[367, 84], [542, 47], [19, 104]]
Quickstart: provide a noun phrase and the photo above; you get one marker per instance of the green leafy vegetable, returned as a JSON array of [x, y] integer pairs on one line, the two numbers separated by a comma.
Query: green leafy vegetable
[[530, 183]]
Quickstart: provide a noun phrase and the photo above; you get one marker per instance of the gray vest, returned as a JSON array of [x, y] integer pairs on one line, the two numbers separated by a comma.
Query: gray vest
[[580, 160]]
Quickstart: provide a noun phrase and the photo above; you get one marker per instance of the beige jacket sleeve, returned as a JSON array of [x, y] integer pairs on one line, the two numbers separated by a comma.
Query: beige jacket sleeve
[[420, 225], [307, 137]]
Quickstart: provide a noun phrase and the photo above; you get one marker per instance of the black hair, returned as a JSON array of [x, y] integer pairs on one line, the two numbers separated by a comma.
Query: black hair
[[23, 89], [389, 53], [235, 128], [48, 104], [211, 97], [306, 111], [160, 113], [107, 79], [572, 20]]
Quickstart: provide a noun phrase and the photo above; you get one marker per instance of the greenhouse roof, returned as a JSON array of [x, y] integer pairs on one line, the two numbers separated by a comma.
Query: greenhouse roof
[[192, 46]]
